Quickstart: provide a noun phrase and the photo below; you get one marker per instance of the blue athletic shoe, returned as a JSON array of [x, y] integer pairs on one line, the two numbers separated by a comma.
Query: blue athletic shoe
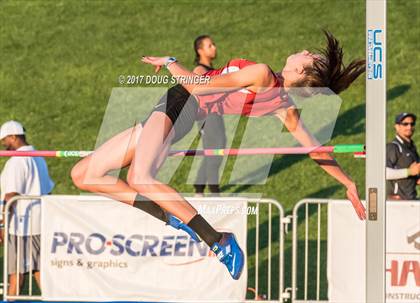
[[229, 253], [178, 224]]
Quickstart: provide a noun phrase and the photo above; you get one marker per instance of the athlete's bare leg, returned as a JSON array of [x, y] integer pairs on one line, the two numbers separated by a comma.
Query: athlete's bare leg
[[91, 173], [152, 149], [146, 158], [150, 153]]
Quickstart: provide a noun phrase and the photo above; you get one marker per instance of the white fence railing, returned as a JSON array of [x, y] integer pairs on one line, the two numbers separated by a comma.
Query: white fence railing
[[312, 290], [312, 223], [19, 254], [267, 226], [265, 249]]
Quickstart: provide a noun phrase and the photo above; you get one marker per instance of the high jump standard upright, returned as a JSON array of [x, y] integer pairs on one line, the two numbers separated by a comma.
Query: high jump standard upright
[[375, 149]]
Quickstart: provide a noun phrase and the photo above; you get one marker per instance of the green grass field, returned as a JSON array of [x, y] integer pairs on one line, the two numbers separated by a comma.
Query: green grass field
[[60, 61]]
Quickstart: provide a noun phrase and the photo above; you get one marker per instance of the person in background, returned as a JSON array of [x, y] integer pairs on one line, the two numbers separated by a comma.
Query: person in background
[[212, 129], [22, 176], [402, 160]]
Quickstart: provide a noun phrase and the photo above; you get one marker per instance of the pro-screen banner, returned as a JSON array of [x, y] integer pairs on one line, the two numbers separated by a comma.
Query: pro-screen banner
[[347, 257], [94, 248]]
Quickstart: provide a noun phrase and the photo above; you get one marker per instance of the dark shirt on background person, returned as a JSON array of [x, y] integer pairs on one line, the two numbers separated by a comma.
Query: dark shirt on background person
[[212, 129], [403, 161]]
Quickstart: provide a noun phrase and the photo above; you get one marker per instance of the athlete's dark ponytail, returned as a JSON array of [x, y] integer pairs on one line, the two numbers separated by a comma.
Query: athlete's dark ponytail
[[330, 70], [197, 45]]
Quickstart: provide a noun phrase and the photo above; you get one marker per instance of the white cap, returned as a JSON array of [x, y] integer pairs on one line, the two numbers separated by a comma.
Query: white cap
[[11, 128]]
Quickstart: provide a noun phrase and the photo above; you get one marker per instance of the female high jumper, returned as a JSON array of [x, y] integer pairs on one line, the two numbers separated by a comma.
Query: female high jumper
[[241, 87]]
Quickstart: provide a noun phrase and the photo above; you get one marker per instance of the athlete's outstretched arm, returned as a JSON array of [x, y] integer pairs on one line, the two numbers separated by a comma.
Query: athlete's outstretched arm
[[290, 118], [257, 76]]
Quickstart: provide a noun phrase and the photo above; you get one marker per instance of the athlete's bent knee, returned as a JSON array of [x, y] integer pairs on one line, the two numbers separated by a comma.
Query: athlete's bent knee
[[78, 174]]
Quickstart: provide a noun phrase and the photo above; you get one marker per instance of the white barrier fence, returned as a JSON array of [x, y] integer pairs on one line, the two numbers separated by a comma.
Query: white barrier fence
[[263, 239], [28, 256], [313, 288], [327, 262]]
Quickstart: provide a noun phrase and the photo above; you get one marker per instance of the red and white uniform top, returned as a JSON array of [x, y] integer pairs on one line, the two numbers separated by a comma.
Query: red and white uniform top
[[243, 101]]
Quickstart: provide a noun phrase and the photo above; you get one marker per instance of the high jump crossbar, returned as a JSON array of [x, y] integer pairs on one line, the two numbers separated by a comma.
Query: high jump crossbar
[[342, 148]]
